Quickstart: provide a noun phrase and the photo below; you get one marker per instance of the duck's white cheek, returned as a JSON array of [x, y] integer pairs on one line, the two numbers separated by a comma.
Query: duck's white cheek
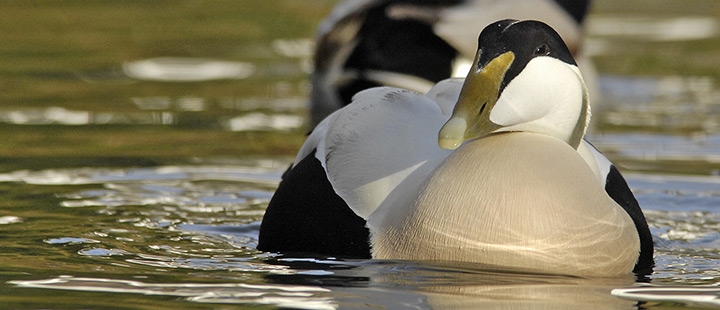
[[528, 96]]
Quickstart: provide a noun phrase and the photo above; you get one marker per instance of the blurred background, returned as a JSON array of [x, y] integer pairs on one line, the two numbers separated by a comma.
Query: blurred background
[[141, 140], [168, 80]]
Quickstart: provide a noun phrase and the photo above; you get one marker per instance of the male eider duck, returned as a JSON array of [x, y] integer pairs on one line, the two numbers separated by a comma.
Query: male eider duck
[[491, 170], [413, 44]]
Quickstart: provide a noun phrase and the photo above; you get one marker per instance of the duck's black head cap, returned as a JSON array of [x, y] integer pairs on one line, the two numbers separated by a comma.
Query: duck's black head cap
[[526, 39]]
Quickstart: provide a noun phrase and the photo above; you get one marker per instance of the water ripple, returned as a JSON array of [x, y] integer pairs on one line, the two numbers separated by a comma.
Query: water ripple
[[289, 296]]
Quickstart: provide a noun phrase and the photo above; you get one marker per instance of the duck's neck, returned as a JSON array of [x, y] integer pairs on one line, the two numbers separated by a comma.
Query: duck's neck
[[558, 106], [584, 118]]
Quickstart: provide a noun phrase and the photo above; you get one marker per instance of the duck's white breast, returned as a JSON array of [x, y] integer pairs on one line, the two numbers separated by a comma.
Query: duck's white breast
[[516, 200]]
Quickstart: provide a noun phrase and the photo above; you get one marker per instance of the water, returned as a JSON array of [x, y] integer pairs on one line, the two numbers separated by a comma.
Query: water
[[128, 180]]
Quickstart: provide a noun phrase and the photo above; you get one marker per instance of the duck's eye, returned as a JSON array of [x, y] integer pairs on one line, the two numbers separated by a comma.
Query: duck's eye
[[542, 50]]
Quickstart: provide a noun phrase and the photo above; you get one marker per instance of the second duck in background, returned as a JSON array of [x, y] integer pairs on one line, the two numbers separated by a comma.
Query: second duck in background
[[413, 44]]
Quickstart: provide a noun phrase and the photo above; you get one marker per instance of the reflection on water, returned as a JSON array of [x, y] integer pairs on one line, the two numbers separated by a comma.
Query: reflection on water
[[652, 28], [670, 104], [55, 115], [165, 110], [291, 296], [202, 221], [176, 69], [671, 153], [195, 104], [9, 219], [69, 240], [261, 121], [669, 124], [262, 172], [333, 284], [695, 296]]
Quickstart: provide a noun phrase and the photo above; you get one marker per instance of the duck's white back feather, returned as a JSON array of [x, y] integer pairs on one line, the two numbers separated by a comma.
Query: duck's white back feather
[[599, 164]]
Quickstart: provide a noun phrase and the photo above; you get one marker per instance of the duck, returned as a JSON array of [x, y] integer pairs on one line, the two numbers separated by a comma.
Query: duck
[[492, 169], [414, 44]]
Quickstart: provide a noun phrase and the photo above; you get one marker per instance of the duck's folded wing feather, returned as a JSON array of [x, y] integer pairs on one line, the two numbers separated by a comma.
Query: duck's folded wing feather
[[371, 146]]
